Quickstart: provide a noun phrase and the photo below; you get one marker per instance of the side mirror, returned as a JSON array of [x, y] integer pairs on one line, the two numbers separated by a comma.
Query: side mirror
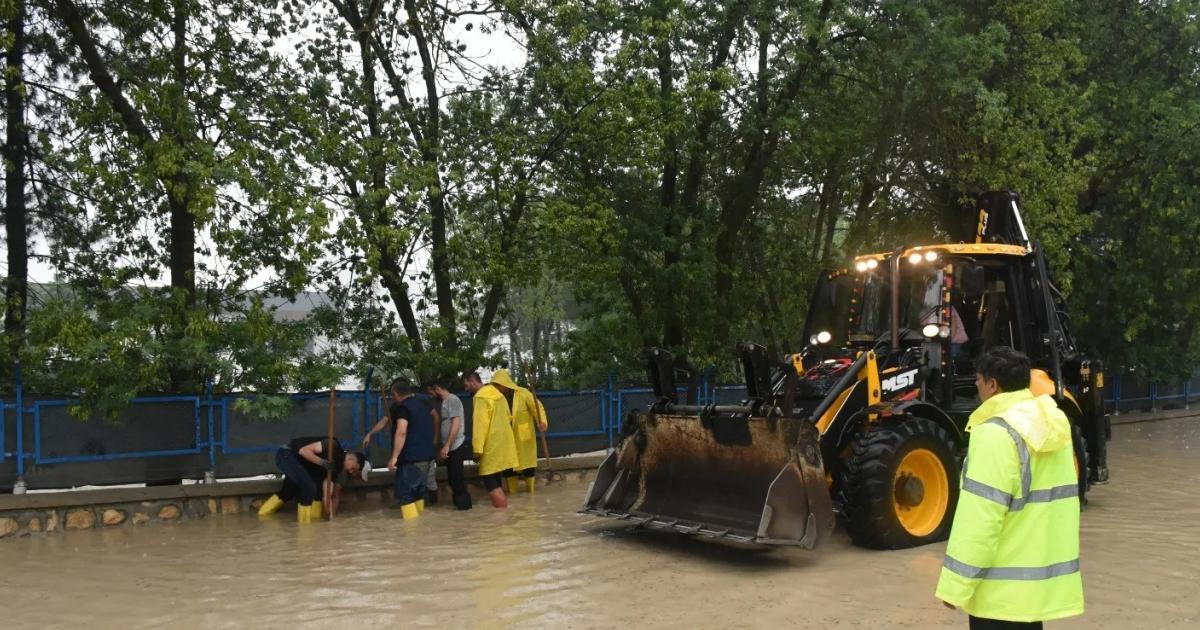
[[972, 281]]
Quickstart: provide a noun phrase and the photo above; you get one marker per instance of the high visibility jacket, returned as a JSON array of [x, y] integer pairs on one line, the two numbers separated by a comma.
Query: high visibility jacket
[[491, 432], [1013, 553]]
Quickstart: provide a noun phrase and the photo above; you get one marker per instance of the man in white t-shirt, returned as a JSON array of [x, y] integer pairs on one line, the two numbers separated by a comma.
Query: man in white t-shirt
[[454, 447]]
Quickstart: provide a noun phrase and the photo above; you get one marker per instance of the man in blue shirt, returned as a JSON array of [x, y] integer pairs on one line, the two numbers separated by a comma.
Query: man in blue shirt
[[412, 448]]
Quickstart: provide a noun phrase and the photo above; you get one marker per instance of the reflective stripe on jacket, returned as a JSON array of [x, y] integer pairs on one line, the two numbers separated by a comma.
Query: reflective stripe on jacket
[[1014, 546]]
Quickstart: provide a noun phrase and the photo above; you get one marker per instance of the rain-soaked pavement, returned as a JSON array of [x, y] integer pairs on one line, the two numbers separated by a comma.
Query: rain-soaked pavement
[[541, 565]]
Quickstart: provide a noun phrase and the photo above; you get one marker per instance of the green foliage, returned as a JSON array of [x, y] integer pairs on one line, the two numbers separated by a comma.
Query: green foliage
[[107, 352], [661, 173]]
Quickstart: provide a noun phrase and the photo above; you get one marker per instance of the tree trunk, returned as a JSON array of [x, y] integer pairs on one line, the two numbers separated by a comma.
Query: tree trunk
[[762, 142], [16, 289], [830, 194], [673, 220], [182, 245], [515, 358], [431, 155], [178, 186], [391, 274], [535, 353]]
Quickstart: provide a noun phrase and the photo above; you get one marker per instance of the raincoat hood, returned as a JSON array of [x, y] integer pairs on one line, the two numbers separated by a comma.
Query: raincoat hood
[[1038, 419], [501, 377]]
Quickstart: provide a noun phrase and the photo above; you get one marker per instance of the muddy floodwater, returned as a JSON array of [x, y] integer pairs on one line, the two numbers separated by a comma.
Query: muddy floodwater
[[540, 565]]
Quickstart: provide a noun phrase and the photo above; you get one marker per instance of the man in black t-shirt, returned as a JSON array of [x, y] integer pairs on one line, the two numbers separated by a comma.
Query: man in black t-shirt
[[305, 468]]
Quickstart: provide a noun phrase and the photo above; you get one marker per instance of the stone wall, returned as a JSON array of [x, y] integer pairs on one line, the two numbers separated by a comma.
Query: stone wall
[[46, 513]]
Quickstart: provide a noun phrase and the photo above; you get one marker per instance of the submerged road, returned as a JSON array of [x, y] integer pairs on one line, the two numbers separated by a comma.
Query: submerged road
[[540, 565]]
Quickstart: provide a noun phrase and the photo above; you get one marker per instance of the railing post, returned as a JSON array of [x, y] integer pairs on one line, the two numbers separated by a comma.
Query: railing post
[[610, 394], [1116, 381], [1153, 397], [210, 476], [712, 384], [19, 487], [1187, 393]]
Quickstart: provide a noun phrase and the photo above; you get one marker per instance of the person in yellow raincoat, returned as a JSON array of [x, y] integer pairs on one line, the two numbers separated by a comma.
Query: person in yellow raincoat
[[491, 435], [528, 413]]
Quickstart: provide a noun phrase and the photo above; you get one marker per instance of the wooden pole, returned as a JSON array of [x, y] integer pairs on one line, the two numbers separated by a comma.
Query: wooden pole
[[537, 405], [545, 449], [329, 453]]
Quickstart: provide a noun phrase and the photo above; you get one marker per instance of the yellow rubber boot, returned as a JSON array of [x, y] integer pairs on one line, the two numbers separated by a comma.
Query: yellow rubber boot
[[316, 512], [270, 506], [409, 510], [531, 484], [302, 513], [420, 506], [510, 485]]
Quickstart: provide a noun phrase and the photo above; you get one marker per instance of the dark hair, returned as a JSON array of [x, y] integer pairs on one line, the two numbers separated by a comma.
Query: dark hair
[[402, 387], [1009, 367], [343, 477], [472, 376], [437, 382]]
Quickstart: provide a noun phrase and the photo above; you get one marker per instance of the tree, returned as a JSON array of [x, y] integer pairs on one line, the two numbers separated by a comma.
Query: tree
[[16, 221], [1137, 264], [434, 158], [161, 149]]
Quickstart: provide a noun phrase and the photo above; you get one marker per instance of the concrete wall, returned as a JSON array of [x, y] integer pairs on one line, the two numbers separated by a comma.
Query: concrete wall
[[45, 513]]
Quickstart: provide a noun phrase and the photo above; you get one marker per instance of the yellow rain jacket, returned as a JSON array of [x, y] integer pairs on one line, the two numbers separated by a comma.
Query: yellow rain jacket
[[1013, 553], [491, 432], [527, 410]]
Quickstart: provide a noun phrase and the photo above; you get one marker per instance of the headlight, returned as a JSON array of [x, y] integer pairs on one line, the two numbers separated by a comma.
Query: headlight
[[812, 340], [931, 256], [914, 257], [930, 330], [824, 336], [860, 266], [872, 263], [944, 332]]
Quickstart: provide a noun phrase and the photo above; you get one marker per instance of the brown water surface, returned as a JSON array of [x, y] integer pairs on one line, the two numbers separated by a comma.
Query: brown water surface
[[541, 565]]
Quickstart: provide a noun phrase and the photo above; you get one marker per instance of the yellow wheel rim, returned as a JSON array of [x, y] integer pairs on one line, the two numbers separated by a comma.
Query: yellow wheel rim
[[922, 492]]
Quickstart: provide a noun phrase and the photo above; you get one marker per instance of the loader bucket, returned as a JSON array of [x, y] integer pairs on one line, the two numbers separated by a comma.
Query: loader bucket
[[751, 480]]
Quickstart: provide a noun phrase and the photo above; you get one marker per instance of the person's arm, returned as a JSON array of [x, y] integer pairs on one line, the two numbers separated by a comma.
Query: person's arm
[[991, 480], [437, 425], [378, 426], [312, 452], [455, 425], [481, 422], [398, 442], [543, 422]]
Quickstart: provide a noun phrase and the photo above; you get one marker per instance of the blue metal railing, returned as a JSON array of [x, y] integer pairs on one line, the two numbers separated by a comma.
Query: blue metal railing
[[211, 436], [40, 458]]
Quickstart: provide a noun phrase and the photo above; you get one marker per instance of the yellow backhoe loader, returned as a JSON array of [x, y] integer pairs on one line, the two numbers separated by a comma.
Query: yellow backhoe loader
[[866, 421]]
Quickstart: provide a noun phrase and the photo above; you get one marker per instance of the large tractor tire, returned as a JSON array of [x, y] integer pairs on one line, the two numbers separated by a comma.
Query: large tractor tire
[[1081, 461], [900, 484]]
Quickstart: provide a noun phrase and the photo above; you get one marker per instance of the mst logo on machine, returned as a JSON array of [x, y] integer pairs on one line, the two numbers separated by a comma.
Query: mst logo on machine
[[899, 382]]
